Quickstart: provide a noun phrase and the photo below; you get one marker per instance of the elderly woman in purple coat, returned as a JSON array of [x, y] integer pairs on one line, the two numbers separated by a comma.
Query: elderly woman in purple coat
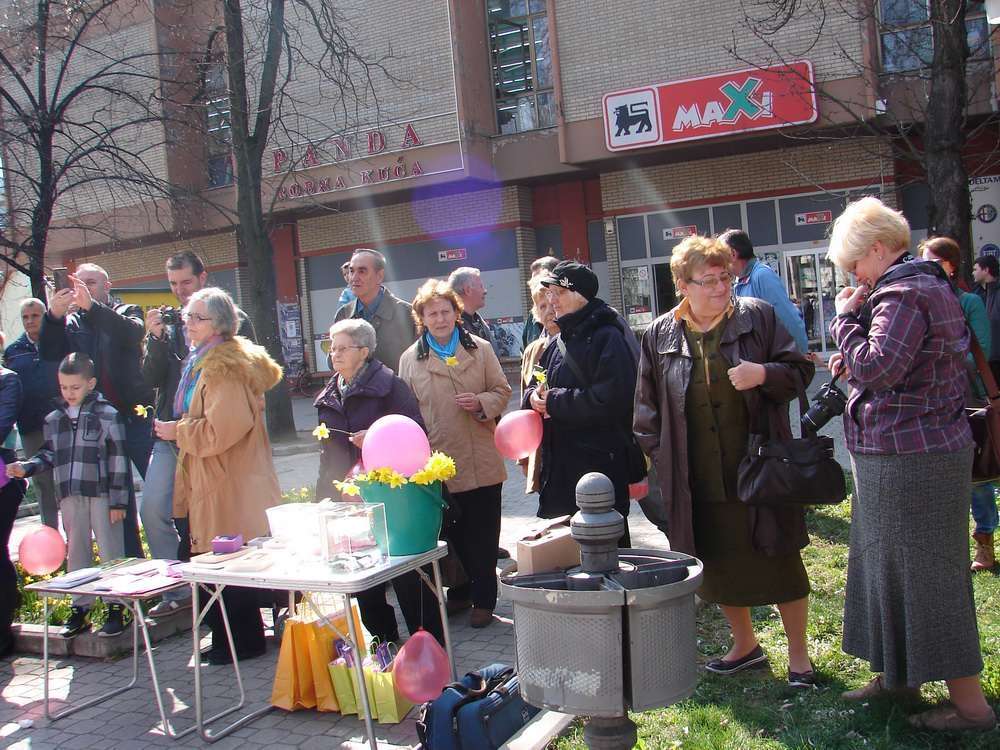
[[361, 390]]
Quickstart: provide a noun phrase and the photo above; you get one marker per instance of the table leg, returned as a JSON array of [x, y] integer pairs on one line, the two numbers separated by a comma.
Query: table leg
[[359, 671], [93, 701], [197, 616], [140, 621], [443, 608]]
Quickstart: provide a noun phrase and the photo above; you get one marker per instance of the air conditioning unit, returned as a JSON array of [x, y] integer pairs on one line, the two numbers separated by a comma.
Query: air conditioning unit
[[881, 106]]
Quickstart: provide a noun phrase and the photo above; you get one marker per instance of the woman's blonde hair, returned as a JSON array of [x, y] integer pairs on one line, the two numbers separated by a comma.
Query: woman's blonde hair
[[697, 251], [434, 289], [863, 223]]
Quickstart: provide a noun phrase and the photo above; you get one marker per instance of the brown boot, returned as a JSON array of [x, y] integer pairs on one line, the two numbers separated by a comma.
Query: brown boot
[[985, 558]]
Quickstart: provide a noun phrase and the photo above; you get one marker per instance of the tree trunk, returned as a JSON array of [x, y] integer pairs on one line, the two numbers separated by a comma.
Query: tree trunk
[[248, 149], [262, 306], [944, 138]]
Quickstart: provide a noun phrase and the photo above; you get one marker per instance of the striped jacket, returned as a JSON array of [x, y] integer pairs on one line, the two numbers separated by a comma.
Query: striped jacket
[[89, 460]]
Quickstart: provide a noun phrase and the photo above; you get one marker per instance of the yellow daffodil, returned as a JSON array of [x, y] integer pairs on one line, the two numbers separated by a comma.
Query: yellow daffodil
[[540, 376], [422, 477], [451, 361], [347, 488], [322, 432], [142, 411], [440, 467]]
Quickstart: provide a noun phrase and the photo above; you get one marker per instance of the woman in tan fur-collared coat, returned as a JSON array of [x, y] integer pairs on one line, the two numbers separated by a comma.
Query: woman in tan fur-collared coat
[[461, 390], [225, 477]]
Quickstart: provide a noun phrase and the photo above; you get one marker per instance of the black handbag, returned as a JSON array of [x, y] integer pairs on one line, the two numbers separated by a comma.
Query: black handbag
[[985, 421], [798, 471]]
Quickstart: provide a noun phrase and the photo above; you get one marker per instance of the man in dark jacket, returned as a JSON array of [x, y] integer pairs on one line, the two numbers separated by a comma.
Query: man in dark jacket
[[587, 398], [11, 495], [986, 274], [166, 349], [41, 388], [112, 337]]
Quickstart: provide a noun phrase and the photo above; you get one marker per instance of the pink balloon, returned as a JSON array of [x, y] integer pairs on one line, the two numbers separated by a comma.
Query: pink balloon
[[42, 551], [519, 434], [396, 442], [421, 668], [639, 490]]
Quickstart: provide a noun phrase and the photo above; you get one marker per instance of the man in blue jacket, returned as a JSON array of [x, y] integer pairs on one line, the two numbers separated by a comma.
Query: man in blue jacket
[[40, 388], [756, 279], [112, 336]]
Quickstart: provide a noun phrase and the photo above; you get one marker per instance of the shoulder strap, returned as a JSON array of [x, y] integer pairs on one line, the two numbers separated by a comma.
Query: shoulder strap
[[568, 359]]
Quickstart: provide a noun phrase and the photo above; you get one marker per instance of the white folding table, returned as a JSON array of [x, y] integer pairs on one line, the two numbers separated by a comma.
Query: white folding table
[[141, 625], [291, 575]]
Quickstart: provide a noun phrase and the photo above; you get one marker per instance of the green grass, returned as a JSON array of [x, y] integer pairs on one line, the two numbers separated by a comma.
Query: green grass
[[757, 711]]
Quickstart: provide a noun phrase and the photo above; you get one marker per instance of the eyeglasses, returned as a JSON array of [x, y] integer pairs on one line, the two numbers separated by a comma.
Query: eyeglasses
[[335, 350], [712, 282], [188, 317]]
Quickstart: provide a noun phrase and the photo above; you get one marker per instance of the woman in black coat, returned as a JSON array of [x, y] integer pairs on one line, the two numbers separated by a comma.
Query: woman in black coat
[[586, 401], [361, 391], [10, 498]]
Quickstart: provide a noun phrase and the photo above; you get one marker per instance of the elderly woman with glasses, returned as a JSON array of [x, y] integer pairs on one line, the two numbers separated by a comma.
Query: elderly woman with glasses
[[361, 391], [713, 370], [544, 313], [225, 478], [909, 608]]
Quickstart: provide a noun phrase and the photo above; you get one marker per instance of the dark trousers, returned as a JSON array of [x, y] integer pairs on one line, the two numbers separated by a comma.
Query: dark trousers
[[416, 599], [243, 609], [10, 600], [138, 445], [474, 537]]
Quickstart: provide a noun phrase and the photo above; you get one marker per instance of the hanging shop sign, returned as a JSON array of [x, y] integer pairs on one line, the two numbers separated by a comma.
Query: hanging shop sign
[[457, 253], [810, 218], [679, 233], [710, 106]]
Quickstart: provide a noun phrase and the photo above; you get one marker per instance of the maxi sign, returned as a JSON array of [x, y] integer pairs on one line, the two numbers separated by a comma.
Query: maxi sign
[[710, 106]]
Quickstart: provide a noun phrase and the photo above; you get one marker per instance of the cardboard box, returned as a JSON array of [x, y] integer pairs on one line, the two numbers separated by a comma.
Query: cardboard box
[[550, 546]]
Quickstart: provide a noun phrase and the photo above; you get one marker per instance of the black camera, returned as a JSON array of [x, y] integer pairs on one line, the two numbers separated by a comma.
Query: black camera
[[830, 402], [170, 316]]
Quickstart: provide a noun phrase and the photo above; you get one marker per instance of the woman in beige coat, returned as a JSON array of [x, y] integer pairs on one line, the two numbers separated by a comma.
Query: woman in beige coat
[[225, 478], [461, 389]]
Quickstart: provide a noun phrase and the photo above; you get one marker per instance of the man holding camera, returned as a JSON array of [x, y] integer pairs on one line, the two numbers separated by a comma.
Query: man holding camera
[[166, 349], [111, 335]]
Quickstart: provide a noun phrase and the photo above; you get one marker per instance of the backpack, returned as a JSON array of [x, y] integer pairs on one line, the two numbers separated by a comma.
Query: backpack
[[480, 712]]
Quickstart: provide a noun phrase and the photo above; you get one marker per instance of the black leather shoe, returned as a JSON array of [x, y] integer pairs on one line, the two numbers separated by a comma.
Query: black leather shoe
[[756, 658]]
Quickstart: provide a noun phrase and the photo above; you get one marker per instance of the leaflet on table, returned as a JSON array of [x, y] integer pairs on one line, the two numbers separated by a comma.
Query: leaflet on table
[[125, 583], [74, 579]]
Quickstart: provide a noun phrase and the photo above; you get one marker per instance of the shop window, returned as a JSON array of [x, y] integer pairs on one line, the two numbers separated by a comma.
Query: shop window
[[218, 125], [522, 65], [907, 39]]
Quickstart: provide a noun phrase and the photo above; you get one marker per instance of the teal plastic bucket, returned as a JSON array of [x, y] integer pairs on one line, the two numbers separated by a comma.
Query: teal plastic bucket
[[412, 514]]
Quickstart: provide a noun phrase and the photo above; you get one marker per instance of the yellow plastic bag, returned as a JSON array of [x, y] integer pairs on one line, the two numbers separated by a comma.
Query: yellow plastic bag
[[320, 646], [287, 690], [344, 686], [392, 707]]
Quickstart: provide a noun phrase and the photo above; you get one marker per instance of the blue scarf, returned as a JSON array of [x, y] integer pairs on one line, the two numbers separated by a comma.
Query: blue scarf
[[190, 375], [448, 350]]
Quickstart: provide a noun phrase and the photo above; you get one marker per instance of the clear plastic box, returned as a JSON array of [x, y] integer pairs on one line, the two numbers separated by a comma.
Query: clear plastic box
[[353, 536]]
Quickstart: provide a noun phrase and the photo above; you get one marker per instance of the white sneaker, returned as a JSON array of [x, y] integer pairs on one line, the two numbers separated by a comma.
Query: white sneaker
[[169, 607]]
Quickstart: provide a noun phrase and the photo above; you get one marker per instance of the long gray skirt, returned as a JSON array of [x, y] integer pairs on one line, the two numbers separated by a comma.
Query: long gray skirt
[[909, 609]]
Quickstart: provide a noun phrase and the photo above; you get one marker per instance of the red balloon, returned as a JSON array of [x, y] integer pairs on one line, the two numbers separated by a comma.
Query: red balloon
[[421, 669], [42, 551], [518, 434], [639, 490]]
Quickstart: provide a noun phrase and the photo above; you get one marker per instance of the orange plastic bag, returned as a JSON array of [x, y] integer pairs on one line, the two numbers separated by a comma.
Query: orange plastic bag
[[287, 690]]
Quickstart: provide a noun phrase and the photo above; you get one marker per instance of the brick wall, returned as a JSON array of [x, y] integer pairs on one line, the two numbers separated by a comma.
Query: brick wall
[[612, 46], [415, 218], [144, 262], [805, 167]]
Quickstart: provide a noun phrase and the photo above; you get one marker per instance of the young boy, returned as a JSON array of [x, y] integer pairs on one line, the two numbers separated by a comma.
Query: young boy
[[85, 448]]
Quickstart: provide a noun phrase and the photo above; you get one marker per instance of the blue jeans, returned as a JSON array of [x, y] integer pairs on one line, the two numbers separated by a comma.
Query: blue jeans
[[138, 443], [157, 509], [984, 507]]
